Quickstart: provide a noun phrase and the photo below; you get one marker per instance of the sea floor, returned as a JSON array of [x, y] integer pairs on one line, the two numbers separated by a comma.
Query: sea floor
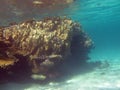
[[104, 77]]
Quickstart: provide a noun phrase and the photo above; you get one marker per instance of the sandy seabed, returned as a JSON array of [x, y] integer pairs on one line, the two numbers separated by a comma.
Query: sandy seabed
[[105, 78]]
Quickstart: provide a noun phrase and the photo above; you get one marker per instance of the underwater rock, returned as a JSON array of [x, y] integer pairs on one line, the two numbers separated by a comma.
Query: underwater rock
[[38, 77], [41, 46]]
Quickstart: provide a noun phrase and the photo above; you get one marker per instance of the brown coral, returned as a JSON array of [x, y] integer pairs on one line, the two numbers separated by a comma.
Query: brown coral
[[6, 62], [42, 44]]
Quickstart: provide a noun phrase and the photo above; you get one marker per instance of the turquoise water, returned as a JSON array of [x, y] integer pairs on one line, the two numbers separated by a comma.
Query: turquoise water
[[101, 20]]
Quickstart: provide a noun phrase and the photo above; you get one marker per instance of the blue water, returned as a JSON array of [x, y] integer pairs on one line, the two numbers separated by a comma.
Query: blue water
[[101, 20]]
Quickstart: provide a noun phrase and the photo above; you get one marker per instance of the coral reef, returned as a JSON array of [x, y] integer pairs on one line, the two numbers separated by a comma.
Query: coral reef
[[41, 46]]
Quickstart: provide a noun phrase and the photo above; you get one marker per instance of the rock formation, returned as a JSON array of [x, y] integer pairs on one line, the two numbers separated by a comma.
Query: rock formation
[[38, 47]]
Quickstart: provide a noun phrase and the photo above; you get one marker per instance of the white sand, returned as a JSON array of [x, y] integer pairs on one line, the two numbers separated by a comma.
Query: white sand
[[107, 78]]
